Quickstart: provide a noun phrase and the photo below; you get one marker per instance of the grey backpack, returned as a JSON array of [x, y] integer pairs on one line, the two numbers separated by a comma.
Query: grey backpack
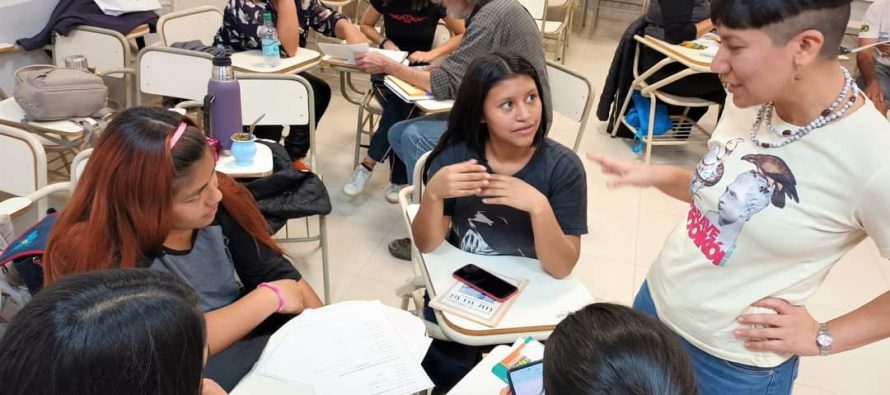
[[49, 93]]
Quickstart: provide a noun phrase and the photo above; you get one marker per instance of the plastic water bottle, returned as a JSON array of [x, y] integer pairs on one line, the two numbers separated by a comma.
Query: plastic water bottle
[[269, 38]]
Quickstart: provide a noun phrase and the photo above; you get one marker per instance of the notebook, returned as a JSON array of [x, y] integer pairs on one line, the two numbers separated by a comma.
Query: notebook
[[407, 92]]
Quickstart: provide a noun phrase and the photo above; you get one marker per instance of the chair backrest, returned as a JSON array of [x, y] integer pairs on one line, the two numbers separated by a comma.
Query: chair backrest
[[538, 8], [199, 23], [104, 49], [174, 72], [443, 34], [23, 161], [573, 100], [78, 165], [283, 99]]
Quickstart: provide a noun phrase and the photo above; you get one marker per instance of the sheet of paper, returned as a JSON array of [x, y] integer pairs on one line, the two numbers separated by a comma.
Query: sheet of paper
[[356, 350], [347, 51]]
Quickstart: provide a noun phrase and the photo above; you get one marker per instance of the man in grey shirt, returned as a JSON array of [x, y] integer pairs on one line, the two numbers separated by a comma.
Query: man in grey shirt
[[503, 25]]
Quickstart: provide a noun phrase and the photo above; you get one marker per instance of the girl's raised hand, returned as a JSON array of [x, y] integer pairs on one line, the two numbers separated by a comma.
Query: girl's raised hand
[[623, 172], [458, 180], [513, 192]]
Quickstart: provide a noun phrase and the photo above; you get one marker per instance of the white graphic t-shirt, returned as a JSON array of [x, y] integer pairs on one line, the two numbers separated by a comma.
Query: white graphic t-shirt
[[770, 222], [876, 24]]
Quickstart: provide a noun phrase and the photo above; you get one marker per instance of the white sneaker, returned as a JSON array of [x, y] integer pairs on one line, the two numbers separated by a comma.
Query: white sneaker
[[392, 193], [356, 183]]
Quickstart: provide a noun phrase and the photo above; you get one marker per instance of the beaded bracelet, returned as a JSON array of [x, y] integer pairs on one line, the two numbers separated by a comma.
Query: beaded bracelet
[[277, 293]]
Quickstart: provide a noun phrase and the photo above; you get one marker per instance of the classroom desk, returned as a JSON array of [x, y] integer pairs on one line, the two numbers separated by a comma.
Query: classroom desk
[[252, 62], [345, 69], [67, 135], [261, 167], [540, 306], [480, 380], [691, 58], [253, 383]]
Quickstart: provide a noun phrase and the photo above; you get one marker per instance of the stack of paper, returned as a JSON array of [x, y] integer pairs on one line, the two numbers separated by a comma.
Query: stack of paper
[[405, 91], [350, 348], [346, 52]]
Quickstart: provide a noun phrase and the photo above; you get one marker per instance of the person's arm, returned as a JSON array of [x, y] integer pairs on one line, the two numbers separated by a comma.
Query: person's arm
[[229, 324], [456, 27], [463, 179], [288, 26], [368, 28], [671, 180], [865, 61], [345, 30]]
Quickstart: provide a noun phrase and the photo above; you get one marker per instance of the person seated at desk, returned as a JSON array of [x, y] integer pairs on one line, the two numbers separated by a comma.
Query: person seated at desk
[[784, 193], [149, 197], [497, 185], [676, 21], [874, 65], [293, 19], [606, 348], [122, 331], [491, 25], [410, 26]]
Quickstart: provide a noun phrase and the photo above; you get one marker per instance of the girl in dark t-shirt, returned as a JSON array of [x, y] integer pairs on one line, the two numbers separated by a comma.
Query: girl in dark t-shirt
[[410, 26], [497, 184]]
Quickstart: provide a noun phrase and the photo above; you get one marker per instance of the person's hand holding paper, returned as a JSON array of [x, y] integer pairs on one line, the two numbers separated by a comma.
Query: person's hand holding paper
[[373, 62]]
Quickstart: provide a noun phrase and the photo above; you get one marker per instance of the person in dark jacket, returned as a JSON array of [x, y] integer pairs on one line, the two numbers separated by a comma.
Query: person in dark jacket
[[676, 21], [70, 14]]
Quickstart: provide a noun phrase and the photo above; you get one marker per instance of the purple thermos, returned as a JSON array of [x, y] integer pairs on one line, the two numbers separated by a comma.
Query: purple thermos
[[224, 99]]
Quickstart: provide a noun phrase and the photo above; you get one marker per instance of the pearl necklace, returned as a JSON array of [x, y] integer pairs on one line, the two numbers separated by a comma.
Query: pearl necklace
[[829, 115]]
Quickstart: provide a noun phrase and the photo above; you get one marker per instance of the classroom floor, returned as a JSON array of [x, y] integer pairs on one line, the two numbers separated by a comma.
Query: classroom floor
[[627, 228]]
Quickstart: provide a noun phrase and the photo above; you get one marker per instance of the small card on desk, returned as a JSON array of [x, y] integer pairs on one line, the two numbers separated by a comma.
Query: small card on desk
[[462, 300], [523, 351]]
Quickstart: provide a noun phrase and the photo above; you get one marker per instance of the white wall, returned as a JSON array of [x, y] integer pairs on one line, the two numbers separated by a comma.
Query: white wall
[[21, 19]]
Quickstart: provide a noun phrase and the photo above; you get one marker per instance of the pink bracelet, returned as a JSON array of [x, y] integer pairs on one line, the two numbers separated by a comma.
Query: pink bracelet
[[277, 293]]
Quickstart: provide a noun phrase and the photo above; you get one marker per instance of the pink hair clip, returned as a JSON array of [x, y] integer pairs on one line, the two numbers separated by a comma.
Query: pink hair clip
[[179, 131]]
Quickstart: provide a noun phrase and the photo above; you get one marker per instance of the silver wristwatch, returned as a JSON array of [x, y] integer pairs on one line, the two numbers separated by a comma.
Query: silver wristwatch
[[824, 339]]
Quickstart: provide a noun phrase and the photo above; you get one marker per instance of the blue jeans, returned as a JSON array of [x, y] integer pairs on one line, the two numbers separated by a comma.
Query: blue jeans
[[716, 376], [412, 138]]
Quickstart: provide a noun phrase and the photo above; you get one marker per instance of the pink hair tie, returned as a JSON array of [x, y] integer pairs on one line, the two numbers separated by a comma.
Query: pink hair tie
[[277, 293], [179, 131]]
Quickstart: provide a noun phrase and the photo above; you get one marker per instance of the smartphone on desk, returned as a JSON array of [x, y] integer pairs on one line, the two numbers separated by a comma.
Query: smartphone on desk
[[527, 379], [485, 282]]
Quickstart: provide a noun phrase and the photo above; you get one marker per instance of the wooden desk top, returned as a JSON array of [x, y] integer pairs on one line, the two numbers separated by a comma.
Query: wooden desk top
[[689, 57], [252, 62]]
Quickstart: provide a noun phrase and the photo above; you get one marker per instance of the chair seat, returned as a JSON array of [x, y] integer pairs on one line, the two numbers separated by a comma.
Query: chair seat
[[684, 101]]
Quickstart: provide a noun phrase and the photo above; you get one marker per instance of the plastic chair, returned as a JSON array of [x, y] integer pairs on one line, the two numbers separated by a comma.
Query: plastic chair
[[199, 23], [573, 100], [23, 161], [287, 100], [681, 123], [410, 291], [174, 72], [106, 50], [557, 31], [632, 7]]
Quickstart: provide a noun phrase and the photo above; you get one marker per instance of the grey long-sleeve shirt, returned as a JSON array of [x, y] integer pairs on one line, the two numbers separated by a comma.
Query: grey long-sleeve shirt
[[503, 25]]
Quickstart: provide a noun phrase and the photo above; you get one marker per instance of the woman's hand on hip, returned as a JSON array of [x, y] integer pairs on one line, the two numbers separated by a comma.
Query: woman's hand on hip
[[792, 330], [458, 180]]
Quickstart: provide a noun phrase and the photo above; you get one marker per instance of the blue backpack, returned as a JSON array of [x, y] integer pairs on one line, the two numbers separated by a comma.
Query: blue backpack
[[638, 117]]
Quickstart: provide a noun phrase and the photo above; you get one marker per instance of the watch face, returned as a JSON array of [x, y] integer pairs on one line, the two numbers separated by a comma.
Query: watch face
[[824, 340]]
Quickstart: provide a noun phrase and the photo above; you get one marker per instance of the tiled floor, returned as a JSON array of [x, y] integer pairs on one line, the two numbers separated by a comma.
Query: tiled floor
[[627, 228]]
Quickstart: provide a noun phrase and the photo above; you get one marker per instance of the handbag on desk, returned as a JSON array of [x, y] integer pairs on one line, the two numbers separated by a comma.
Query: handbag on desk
[[49, 93]]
